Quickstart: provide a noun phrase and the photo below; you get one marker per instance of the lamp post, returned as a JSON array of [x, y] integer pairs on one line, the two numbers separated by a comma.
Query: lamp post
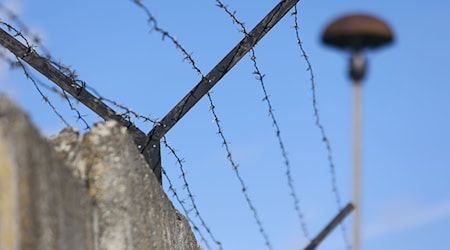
[[356, 33]]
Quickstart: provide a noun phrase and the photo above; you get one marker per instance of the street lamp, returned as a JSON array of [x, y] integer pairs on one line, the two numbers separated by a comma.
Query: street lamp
[[355, 33]]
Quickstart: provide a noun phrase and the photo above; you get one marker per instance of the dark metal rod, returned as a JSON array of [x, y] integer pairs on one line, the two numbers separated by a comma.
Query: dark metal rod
[[42, 65], [80, 93], [342, 214], [225, 65], [357, 163]]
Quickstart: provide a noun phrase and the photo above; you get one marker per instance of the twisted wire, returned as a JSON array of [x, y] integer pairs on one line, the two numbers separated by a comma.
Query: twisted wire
[[126, 113], [260, 77], [35, 84], [320, 126], [180, 162], [185, 210], [189, 58]]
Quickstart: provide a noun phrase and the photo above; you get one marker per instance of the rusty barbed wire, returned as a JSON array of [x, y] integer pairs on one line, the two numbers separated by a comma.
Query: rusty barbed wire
[[320, 126], [189, 58], [260, 77], [180, 162]]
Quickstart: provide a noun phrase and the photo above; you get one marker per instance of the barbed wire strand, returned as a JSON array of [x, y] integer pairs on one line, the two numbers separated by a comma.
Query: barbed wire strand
[[153, 22], [319, 124], [20, 64], [180, 162], [37, 43], [185, 210], [189, 58], [44, 98], [165, 34], [235, 167], [36, 82], [260, 77], [14, 17], [60, 92], [70, 73], [127, 112]]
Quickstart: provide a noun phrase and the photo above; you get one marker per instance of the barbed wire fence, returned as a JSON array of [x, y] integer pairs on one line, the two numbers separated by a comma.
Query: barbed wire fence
[[154, 26], [127, 113], [77, 90]]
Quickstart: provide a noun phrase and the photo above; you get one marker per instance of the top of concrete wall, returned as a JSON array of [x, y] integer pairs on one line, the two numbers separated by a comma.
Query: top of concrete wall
[[95, 192]]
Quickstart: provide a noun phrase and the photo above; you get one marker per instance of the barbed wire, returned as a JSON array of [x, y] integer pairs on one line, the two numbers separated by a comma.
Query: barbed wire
[[189, 58], [37, 43], [126, 113], [320, 126], [154, 24], [20, 25], [46, 100], [180, 162], [36, 83], [130, 114], [67, 71], [33, 79], [165, 34], [260, 77], [235, 167], [172, 189]]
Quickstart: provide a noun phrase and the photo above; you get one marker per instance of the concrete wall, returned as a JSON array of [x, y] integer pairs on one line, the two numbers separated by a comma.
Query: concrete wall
[[92, 191]]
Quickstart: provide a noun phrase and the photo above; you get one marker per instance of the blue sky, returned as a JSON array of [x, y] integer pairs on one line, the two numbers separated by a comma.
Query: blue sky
[[406, 202]]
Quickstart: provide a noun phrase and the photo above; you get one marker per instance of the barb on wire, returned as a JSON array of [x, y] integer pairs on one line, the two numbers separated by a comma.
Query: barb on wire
[[260, 77], [20, 64], [37, 82], [180, 162], [20, 25], [37, 43], [72, 107], [185, 210], [80, 87], [165, 34], [127, 112], [319, 124], [189, 58], [235, 167]]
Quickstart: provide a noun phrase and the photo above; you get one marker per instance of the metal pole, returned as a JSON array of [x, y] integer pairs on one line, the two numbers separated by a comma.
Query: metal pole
[[357, 71], [357, 32], [357, 150]]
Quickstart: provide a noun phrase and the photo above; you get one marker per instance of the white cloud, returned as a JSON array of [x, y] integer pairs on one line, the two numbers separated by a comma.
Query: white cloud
[[405, 215]]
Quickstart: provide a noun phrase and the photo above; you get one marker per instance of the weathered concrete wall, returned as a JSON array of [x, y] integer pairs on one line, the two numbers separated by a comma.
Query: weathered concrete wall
[[103, 197], [41, 205]]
